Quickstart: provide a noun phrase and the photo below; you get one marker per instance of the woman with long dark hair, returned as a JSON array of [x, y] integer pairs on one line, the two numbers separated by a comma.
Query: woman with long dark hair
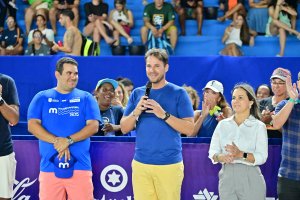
[[240, 144], [235, 35]]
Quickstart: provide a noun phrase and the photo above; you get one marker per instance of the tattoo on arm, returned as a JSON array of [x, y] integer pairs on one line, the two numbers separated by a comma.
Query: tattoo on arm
[[69, 39]]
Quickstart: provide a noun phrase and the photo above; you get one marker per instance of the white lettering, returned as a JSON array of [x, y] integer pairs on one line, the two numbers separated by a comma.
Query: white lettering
[[53, 110], [20, 187], [63, 165]]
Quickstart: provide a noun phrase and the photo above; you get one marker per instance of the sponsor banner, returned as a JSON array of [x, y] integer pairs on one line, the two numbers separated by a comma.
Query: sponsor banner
[[111, 162]]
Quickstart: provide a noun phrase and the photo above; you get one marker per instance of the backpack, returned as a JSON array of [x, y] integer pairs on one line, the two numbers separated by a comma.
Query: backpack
[[89, 47], [160, 43]]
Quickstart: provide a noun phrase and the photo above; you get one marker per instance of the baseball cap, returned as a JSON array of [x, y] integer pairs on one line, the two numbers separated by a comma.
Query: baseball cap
[[107, 80], [63, 169], [214, 85], [281, 73]]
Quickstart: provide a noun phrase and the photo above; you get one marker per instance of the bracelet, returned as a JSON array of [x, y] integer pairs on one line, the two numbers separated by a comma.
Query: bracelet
[[293, 100]]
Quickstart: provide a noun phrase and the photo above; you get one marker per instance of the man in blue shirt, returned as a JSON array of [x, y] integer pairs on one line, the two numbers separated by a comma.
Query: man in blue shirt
[[159, 116], [287, 117], [63, 119]]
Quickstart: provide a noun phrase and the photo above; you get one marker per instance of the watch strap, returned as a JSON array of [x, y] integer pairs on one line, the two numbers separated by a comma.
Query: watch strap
[[167, 115], [70, 140]]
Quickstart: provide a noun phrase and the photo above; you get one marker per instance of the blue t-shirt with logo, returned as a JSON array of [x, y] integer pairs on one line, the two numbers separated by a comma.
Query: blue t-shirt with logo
[[157, 143], [64, 115]]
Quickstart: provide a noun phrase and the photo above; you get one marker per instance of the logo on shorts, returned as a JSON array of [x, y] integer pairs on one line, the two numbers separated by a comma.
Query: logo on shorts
[[204, 194], [113, 178]]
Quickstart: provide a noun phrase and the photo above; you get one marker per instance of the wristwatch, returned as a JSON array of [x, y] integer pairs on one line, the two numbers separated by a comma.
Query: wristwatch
[[1, 101], [167, 115], [245, 155], [70, 140]]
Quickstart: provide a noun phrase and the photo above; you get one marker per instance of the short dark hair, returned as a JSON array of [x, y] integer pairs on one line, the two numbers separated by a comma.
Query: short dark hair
[[160, 54], [126, 82], [69, 13], [42, 16], [60, 63]]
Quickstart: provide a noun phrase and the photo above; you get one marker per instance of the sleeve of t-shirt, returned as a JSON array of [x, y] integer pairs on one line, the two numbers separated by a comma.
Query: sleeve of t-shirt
[[92, 109], [146, 13], [131, 103], [12, 98], [28, 51], [280, 106], [30, 36], [35, 107], [171, 13], [185, 108]]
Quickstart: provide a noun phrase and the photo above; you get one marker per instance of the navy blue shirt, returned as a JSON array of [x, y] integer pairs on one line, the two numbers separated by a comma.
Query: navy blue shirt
[[115, 118], [10, 96], [10, 37]]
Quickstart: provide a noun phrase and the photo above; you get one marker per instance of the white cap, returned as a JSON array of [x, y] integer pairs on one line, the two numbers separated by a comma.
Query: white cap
[[215, 85]]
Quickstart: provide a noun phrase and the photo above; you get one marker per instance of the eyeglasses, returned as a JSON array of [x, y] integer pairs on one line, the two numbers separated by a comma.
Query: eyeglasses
[[277, 83], [37, 36]]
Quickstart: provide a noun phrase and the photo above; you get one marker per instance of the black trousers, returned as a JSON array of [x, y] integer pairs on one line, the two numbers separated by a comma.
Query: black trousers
[[288, 189], [4, 6]]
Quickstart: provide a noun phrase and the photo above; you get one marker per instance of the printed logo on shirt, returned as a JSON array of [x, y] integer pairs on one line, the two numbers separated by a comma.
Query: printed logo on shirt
[[72, 111], [50, 100], [75, 100]]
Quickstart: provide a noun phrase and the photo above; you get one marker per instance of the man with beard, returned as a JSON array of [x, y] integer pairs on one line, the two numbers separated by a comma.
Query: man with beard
[[159, 117], [72, 38]]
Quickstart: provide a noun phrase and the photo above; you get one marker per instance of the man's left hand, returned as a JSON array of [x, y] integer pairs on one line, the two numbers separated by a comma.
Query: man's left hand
[[61, 144], [155, 108]]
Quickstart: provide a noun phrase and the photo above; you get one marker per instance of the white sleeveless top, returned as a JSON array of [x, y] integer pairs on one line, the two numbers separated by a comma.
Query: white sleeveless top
[[116, 16], [234, 37]]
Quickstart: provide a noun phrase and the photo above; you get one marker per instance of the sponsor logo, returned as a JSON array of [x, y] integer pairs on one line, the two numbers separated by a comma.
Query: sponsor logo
[[72, 111], [20, 186], [52, 110], [113, 178], [205, 195], [63, 165], [75, 100], [50, 100]]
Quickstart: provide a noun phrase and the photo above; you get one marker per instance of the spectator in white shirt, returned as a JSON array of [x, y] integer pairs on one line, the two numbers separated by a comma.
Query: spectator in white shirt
[[240, 144]]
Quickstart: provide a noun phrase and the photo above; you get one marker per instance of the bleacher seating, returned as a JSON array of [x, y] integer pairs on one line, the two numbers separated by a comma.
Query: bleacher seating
[[190, 45]]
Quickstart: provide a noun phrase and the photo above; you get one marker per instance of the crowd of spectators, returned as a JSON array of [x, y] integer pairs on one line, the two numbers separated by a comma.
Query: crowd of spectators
[[249, 18]]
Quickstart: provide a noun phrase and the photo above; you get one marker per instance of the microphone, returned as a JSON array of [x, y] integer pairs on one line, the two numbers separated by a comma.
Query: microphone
[[148, 88]]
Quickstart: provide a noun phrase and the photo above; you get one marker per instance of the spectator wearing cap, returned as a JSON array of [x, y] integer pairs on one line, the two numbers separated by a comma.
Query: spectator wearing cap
[[214, 109], [267, 105], [286, 116], [111, 115]]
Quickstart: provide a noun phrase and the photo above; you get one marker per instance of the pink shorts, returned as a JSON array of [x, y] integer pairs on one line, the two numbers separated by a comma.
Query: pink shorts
[[126, 29], [79, 187]]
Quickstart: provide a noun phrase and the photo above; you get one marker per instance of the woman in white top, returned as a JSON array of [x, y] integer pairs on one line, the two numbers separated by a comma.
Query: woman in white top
[[122, 20], [240, 143], [235, 35]]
